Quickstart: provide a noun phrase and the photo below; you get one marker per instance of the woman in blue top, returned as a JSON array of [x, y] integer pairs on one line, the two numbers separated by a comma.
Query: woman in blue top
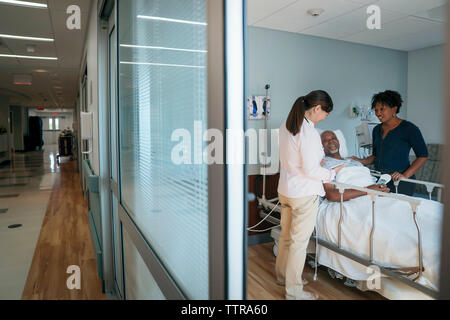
[[392, 141]]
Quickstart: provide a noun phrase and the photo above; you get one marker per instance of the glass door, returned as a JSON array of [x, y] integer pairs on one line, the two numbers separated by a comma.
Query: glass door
[[173, 214]]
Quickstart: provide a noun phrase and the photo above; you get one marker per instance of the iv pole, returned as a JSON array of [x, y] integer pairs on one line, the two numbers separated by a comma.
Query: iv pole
[[265, 141]]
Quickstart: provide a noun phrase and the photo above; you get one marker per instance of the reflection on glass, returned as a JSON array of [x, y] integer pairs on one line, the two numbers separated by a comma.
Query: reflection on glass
[[161, 91], [140, 283], [117, 245]]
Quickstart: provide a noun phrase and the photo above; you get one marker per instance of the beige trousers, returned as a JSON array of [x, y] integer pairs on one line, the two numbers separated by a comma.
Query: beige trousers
[[298, 218]]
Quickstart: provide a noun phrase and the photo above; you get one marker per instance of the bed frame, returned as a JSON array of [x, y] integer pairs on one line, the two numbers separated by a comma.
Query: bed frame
[[400, 273]]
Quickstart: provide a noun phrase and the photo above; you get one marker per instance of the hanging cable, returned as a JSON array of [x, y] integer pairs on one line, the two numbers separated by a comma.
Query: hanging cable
[[251, 228]]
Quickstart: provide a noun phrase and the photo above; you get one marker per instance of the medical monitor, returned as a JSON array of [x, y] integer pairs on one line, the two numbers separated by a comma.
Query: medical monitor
[[364, 133]]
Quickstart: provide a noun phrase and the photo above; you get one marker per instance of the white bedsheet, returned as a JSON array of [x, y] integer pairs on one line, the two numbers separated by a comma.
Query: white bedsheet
[[395, 236]]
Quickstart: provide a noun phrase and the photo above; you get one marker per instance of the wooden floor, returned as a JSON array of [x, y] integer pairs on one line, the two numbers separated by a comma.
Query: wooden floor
[[261, 280], [64, 241]]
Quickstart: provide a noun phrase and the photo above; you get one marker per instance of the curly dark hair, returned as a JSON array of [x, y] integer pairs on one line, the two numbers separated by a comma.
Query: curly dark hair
[[388, 98]]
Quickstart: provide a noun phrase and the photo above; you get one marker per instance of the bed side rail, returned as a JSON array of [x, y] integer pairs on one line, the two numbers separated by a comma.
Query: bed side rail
[[428, 185], [413, 202]]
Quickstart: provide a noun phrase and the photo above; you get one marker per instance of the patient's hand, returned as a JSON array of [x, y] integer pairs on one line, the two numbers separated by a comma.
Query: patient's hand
[[355, 158], [322, 163], [379, 187]]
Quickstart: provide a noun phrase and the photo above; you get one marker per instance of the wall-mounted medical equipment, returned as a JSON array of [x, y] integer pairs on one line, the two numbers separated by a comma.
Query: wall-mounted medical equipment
[[364, 112], [354, 111], [265, 114], [258, 107], [364, 134]]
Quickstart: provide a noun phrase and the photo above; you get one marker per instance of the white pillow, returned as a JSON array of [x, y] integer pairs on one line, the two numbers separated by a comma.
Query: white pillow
[[342, 142]]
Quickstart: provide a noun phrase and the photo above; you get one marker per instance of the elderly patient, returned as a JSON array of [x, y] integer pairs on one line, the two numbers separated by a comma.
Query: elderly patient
[[331, 148]]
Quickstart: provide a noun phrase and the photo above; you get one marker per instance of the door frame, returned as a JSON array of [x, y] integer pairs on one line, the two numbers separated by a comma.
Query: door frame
[[222, 234], [106, 13]]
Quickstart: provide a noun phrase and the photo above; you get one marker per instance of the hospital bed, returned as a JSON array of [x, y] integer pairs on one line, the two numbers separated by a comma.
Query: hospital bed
[[397, 235]]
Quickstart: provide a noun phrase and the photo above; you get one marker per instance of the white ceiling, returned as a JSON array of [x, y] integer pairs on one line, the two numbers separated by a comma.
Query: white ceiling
[[405, 24], [56, 84]]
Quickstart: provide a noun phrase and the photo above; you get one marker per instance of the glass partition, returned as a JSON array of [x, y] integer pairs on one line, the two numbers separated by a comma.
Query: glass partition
[[162, 93]]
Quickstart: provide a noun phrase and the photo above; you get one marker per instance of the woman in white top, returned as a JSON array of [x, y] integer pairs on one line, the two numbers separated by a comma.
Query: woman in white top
[[300, 185]]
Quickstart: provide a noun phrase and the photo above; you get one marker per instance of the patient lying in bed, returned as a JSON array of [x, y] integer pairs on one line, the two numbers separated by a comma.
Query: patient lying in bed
[[331, 147], [395, 236]]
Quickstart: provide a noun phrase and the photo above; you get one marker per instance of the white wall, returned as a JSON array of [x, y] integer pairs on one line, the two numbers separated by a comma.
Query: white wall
[[90, 53], [426, 92]]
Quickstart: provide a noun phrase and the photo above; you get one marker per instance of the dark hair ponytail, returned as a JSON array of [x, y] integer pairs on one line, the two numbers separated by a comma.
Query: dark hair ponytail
[[297, 114]]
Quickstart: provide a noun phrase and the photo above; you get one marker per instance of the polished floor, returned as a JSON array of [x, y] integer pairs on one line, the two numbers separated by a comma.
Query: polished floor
[[25, 187], [262, 286], [45, 198]]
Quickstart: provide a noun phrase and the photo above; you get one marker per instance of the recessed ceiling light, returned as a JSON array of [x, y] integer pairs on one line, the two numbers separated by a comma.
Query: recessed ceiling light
[[31, 48], [26, 57], [315, 12], [11, 36], [24, 4], [40, 70]]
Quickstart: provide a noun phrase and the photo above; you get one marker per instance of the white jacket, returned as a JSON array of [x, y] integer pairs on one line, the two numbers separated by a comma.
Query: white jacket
[[300, 172]]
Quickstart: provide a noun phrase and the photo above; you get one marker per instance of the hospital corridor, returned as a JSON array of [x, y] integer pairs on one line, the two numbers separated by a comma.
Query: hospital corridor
[[251, 150]]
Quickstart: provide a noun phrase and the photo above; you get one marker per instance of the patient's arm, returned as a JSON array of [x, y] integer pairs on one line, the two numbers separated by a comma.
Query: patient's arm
[[367, 161], [333, 195]]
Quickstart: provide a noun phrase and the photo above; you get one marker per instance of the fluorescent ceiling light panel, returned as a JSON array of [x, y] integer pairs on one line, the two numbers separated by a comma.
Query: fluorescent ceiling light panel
[[26, 57], [161, 48], [10, 36], [162, 64], [24, 4], [172, 20]]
